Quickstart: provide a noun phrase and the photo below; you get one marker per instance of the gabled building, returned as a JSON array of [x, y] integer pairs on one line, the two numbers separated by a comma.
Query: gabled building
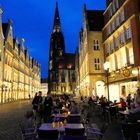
[[61, 78], [91, 55], [19, 73]]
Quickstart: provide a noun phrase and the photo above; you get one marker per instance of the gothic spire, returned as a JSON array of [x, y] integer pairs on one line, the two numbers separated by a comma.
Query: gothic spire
[[57, 25]]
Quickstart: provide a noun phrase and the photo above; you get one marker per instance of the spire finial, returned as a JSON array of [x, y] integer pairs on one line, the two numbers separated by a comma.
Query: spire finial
[[57, 25]]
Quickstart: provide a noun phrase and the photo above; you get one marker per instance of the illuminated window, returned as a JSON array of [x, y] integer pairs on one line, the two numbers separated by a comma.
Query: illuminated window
[[113, 7], [128, 33], [109, 30], [116, 42], [122, 16], [107, 49], [122, 37], [112, 46], [113, 26], [118, 62], [60, 66], [51, 53], [112, 62], [69, 66], [117, 21], [60, 53], [97, 63], [131, 56], [96, 44], [110, 11], [50, 65], [117, 3]]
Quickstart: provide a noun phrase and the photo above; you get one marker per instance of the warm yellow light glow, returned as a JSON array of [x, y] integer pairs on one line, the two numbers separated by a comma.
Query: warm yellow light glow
[[106, 65], [135, 72]]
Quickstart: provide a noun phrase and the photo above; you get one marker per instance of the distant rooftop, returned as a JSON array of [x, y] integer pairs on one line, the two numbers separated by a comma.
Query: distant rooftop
[[95, 19]]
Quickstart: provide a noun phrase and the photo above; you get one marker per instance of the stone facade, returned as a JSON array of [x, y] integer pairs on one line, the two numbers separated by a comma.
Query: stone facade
[[19, 73], [91, 56], [121, 41]]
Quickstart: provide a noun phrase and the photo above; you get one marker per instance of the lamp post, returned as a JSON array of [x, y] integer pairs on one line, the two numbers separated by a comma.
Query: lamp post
[[106, 68]]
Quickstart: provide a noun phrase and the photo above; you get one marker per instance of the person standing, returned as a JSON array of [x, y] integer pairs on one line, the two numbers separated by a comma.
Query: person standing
[[134, 114], [48, 105], [129, 100], [37, 107]]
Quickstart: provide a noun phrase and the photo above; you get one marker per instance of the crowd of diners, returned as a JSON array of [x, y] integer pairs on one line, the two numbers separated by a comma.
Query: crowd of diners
[[130, 104], [43, 108]]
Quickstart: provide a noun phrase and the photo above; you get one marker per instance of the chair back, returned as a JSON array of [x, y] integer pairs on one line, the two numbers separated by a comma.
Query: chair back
[[68, 137], [74, 119], [130, 130], [75, 131], [48, 134], [113, 111]]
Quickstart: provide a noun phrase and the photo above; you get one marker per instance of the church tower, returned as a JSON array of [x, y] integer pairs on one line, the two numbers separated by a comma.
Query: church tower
[[61, 78], [57, 51]]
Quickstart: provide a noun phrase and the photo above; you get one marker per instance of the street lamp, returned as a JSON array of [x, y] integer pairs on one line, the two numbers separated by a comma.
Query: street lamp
[[106, 68]]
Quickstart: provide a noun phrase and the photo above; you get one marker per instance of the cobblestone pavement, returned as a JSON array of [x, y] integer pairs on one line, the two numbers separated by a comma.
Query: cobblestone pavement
[[10, 116]]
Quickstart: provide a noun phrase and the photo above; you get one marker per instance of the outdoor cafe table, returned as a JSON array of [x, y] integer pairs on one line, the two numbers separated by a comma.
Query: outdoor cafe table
[[61, 128]]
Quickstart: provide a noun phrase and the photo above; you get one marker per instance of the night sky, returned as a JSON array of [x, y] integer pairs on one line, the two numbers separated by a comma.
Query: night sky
[[33, 20]]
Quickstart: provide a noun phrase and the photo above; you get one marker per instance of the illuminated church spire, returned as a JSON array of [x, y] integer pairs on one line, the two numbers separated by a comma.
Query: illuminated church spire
[[57, 25]]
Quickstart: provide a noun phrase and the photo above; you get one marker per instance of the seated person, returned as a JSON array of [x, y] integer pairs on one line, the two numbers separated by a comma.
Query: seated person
[[104, 103], [74, 109], [121, 104], [135, 113]]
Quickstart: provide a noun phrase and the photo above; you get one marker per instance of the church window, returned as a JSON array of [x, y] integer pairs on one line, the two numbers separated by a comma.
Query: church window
[[50, 65], [69, 66], [60, 66], [51, 53], [60, 52]]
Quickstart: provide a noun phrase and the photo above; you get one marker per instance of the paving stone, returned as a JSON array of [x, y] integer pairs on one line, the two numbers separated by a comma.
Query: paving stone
[[10, 116]]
